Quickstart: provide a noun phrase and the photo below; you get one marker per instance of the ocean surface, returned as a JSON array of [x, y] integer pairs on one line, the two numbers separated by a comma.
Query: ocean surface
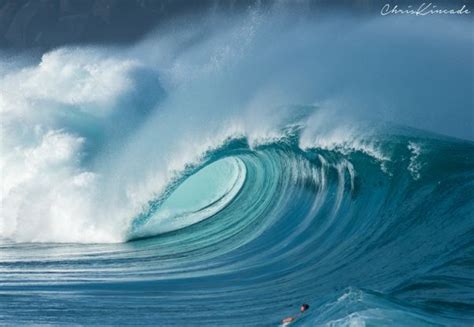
[[227, 171]]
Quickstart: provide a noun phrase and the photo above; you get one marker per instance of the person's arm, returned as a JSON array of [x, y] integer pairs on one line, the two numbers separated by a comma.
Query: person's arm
[[289, 319]]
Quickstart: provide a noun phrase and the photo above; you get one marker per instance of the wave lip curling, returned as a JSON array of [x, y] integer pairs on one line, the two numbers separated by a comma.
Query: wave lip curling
[[198, 197]]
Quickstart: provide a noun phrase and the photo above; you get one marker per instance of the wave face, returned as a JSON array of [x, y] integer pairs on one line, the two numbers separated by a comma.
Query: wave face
[[224, 173]]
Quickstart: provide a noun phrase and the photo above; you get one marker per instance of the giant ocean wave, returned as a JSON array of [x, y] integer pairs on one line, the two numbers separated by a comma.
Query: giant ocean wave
[[205, 180]]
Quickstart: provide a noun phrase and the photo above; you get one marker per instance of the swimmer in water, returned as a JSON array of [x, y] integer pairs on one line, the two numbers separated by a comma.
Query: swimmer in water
[[289, 320]]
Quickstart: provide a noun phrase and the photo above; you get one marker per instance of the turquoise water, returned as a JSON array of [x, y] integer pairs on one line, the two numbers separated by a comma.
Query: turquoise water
[[231, 168], [360, 244], [198, 197]]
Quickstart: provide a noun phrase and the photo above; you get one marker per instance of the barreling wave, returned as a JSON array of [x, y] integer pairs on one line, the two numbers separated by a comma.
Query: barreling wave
[[306, 223], [188, 181]]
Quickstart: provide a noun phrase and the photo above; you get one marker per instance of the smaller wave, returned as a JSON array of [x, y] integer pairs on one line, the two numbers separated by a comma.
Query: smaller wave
[[360, 308]]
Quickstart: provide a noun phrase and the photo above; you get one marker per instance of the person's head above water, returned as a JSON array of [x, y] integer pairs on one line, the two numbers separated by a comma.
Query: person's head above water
[[304, 307], [289, 320]]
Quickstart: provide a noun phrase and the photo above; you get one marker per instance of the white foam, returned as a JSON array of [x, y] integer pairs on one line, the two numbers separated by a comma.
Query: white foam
[[326, 130], [72, 172], [415, 165], [352, 320], [46, 194]]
